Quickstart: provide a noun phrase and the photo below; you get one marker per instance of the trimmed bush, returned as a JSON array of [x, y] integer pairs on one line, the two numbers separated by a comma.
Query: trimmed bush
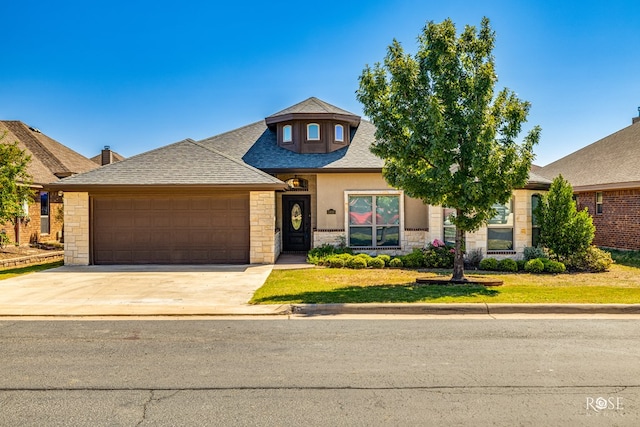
[[413, 260], [534, 266], [357, 262], [489, 264], [508, 264], [551, 266], [335, 262], [593, 260], [366, 257], [385, 258], [521, 263], [395, 263], [376, 262]]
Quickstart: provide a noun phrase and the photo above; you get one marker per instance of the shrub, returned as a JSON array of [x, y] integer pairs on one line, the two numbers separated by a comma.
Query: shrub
[[551, 266], [473, 258], [357, 263], [592, 260], [395, 263], [534, 266], [489, 264], [520, 263], [533, 252], [376, 262], [385, 258], [438, 255], [563, 229], [320, 255], [508, 264], [366, 257], [413, 260], [335, 262]]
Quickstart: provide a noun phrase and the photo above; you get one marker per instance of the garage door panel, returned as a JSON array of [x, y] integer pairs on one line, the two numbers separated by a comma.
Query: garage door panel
[[178, 230]]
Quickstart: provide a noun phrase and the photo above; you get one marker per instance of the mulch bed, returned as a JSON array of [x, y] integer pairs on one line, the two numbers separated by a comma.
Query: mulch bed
[[442, 281]]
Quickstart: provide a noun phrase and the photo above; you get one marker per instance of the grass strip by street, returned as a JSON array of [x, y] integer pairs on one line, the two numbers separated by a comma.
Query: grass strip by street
[[13, 272], [620, 285]]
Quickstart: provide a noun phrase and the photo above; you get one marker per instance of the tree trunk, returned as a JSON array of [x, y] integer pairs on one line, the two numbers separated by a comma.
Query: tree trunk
[[458, 260]]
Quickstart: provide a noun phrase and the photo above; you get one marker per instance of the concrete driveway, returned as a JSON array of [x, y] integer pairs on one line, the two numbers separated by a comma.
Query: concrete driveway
[[136, 290]]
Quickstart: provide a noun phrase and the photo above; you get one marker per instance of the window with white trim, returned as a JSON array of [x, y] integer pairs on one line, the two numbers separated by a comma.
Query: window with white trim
[[449, 232], [373, 220], [313, 132], [339, 133], [500, 228], [286, 133]]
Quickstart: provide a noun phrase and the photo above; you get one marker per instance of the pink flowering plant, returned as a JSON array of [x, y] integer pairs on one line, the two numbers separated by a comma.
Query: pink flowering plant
[[439, 254]]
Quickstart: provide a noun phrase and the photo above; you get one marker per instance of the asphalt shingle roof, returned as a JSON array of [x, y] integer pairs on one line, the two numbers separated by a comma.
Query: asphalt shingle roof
[[256, 145], [312, 105], [184, 163], [611, 161], [48, 156]]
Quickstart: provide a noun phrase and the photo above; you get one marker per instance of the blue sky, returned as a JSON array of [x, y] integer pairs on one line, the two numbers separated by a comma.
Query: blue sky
[[140, 74]]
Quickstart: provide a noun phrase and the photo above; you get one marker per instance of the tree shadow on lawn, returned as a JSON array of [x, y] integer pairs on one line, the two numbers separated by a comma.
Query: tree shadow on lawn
[[381, 294]]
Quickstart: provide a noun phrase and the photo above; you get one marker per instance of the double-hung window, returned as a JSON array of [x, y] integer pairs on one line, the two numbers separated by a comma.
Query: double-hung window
[[500, 228], [373, 220]]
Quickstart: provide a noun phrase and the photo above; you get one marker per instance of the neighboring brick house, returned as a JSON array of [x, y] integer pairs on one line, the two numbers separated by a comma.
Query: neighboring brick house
[[50, 161], [297, 179], [606, 179]]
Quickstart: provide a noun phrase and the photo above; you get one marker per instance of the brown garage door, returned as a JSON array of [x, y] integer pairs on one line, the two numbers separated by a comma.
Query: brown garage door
[[170, 229]]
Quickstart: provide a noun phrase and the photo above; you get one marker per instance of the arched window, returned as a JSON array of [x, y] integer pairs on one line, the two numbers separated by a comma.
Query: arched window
[[339, 133], [313, 132], [286, 133]]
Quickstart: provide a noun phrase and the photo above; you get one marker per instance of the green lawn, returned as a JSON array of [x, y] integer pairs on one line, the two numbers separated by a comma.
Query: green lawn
[[13, 272], [324, 285]]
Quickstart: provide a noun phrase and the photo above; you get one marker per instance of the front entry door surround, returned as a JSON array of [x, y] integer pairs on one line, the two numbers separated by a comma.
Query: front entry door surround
[[296, 223]]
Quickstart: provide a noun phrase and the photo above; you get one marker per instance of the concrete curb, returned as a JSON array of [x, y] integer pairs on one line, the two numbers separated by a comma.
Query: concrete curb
[[460, 309]]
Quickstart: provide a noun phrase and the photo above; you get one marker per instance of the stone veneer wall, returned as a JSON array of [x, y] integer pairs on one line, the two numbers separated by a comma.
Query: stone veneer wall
[[76, 228], [522, 228], [411, 239], [262, 207]]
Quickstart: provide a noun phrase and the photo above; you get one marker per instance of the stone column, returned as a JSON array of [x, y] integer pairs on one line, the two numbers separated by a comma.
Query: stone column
[[76, 228]]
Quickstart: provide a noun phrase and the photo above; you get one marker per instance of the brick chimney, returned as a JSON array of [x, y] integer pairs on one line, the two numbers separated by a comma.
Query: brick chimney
[[107, 156]]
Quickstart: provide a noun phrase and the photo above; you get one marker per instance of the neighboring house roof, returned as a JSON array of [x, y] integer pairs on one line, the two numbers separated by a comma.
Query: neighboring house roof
[[184, 163], [115, 157], [611, 162], [50, 160]]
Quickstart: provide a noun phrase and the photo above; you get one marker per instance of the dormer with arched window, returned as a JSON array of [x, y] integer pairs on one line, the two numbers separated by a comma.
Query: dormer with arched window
[[313, 126]]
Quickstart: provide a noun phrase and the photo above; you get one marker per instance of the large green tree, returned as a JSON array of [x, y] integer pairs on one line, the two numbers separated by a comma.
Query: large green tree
[[444, 134], [564, 230], [14, 180]]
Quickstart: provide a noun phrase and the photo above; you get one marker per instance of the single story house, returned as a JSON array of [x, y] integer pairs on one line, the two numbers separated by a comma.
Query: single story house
[[297, 179], [50, 161], [606, 180]]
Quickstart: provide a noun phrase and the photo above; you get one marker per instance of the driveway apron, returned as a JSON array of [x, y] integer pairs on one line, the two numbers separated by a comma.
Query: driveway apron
[[135, 290]]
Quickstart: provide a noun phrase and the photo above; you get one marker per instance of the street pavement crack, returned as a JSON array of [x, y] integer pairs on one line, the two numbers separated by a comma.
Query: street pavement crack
[[154, 399], [145, 407]]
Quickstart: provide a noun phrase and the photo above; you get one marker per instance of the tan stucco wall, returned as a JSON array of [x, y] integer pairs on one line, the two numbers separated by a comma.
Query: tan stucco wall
[[262, 206], [76, 228], [331, 190]]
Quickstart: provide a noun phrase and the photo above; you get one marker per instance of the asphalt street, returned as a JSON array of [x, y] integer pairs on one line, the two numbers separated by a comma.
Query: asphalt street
[[281, 371]]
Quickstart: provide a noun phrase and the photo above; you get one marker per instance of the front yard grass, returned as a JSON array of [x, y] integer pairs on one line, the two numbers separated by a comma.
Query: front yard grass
[[620, 285], [18, 271]]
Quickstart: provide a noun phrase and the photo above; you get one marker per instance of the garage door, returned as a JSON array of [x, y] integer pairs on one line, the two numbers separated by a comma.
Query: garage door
[[170, 229]]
